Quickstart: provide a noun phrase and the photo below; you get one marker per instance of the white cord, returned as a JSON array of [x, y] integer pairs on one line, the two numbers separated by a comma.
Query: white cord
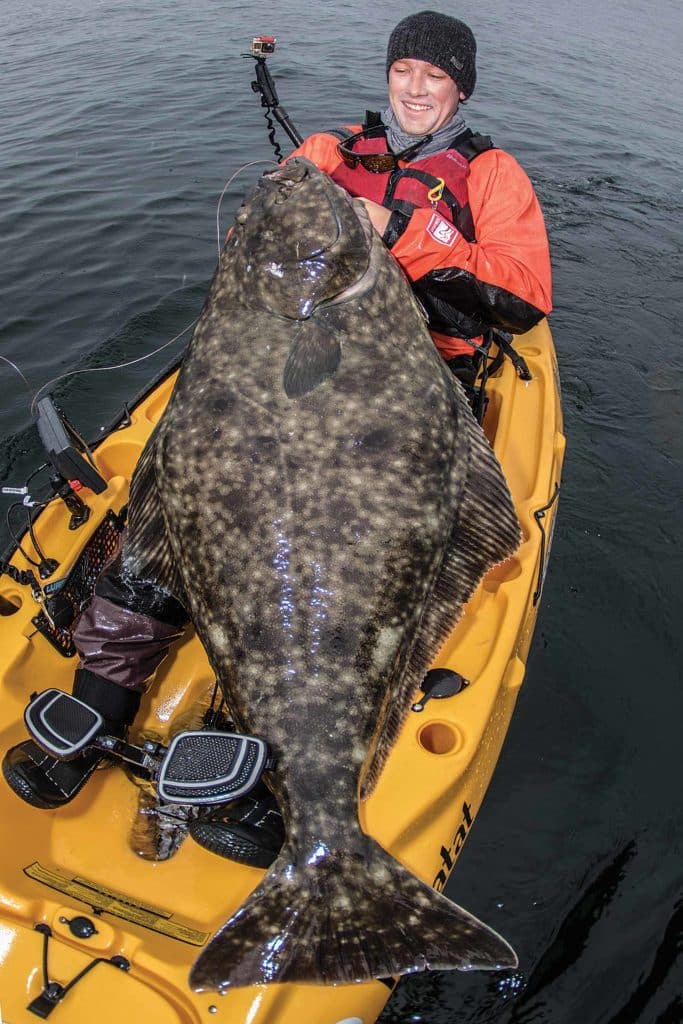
[[148, 355], [15, 367], [117, 366], [271, 163]]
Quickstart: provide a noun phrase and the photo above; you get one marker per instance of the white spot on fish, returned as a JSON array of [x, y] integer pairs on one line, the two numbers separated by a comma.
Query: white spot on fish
[[385, 645]]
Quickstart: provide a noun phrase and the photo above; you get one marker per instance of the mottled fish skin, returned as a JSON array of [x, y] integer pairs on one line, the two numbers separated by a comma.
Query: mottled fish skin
[[321, 498]]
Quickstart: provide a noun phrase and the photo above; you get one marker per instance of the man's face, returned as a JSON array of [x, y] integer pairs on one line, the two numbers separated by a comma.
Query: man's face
[[422, 96]]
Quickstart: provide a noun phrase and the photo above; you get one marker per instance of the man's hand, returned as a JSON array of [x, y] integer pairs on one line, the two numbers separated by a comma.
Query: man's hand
[[379, 215]]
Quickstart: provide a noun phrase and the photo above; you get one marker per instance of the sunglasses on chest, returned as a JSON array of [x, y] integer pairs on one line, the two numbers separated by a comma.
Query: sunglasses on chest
[[377, 163]]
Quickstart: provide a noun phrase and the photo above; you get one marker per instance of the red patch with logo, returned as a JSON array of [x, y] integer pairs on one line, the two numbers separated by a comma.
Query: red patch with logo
[[441, 231]]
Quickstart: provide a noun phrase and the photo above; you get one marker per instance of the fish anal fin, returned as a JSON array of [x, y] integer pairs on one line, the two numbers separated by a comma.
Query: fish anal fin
[[485, 533]]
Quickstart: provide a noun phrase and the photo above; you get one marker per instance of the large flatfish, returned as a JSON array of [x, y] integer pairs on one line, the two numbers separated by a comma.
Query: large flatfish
[[320, 497]]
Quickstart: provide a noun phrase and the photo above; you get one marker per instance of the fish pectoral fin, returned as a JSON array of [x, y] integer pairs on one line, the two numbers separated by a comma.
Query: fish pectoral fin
[[313, 358]]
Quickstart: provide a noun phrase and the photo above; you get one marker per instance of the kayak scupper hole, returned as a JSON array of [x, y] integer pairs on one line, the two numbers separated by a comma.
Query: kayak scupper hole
[[10, 603], [439, 738]]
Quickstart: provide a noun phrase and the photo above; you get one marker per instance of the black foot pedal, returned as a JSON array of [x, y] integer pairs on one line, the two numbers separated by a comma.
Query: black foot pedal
[[210, 767], [61, 724]]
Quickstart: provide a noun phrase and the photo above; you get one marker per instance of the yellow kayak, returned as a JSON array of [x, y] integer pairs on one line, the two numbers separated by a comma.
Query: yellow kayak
[[92, 927]]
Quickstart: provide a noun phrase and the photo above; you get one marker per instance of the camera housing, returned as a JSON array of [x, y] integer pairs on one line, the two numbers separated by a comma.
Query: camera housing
[[263, 46]]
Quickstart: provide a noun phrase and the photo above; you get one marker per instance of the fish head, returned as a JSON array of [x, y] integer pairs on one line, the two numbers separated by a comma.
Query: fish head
[[300, 240]]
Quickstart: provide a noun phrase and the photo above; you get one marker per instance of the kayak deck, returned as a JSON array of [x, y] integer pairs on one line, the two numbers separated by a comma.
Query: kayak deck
[[156, 915]]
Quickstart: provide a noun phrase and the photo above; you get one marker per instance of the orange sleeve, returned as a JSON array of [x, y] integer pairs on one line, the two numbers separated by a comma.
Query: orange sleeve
[[511, 250], [321, 150]]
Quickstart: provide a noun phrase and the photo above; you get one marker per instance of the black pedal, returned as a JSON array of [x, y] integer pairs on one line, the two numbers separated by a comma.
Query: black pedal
[[61, 724], [202, 767], [210, 767]]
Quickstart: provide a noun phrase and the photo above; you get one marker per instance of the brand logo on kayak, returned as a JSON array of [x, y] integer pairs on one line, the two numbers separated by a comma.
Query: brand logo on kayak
[[449, 855], [441, 231]]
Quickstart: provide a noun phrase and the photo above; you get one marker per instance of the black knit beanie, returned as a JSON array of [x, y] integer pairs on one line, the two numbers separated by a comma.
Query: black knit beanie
[[445, 42]]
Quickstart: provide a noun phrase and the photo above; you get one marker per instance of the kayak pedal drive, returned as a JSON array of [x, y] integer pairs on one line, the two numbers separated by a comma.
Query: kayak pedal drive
[[200, 767]]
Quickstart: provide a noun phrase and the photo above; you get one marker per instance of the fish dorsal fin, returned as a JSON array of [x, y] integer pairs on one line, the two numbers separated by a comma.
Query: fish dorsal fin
[[147, 552], [485, 532]]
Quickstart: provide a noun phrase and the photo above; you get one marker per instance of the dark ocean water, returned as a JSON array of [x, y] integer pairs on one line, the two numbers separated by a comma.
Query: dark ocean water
[[120, 125]]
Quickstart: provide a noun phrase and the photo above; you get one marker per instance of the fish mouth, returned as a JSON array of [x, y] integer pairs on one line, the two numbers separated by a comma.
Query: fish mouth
[[338, 267], [292, 176]]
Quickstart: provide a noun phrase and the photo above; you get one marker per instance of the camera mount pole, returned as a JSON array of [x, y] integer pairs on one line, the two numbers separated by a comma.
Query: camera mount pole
[[264, 84]]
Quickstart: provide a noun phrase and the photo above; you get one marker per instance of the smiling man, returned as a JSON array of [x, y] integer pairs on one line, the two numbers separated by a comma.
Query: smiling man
[[459, 215]]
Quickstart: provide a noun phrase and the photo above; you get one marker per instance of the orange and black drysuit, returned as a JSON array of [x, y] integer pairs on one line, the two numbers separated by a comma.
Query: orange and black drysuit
[[474, 248]]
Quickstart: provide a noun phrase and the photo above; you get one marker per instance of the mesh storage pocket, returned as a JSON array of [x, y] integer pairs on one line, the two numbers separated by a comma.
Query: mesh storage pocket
[[67, 597]]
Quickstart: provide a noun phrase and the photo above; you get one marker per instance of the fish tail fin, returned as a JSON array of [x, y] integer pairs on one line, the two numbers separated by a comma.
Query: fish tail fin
[[346, 918]]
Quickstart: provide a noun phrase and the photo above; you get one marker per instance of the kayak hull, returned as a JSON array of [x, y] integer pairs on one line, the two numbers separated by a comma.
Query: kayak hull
[[151, 918]]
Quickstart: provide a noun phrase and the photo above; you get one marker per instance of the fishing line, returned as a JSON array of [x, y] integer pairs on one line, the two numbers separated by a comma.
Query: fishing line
[[148, 355], [116, 366], [23, 377], [270, 163]]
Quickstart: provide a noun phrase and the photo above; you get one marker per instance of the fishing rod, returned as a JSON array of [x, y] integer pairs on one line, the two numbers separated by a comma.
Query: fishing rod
[[261, 48]]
